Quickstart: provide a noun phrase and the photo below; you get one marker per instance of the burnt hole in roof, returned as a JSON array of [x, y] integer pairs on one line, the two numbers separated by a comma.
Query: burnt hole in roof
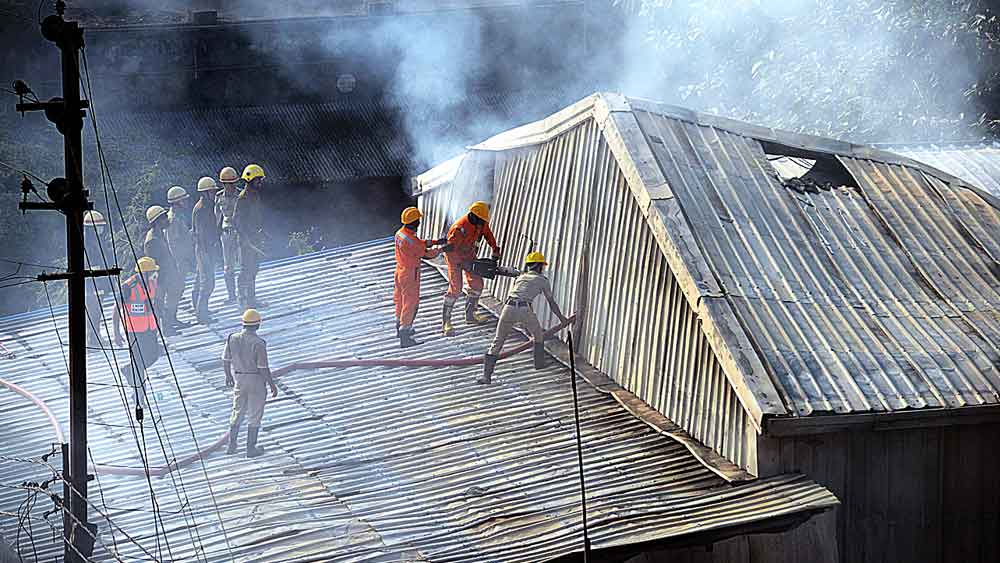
[[806, 171]]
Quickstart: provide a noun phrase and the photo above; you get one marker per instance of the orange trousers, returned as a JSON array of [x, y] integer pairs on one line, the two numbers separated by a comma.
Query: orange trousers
[[406, 295], [455, 271]]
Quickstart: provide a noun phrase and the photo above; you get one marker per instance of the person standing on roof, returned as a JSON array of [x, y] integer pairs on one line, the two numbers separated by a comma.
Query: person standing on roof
[[170, 281], [518, 310], [96, 254], [179, 236], [248, 218], [139, 320], [245, 362], [410, 249], [461, 249], [225, 206], [206, 246]]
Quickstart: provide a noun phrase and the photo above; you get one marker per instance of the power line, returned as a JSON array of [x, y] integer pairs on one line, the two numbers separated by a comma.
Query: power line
[[23, 172], [106, 172], [32, 264]]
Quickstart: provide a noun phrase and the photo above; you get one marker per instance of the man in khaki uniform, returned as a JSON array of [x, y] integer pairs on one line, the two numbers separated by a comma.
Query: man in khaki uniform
[[245, 362], [517, 310], [225, 206], [179, 237]]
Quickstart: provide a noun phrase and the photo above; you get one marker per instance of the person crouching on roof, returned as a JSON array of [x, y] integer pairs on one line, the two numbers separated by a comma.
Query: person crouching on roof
[[518, 310], [410, 249]]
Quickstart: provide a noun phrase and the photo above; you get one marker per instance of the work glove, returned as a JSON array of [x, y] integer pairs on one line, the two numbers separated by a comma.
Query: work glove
[[229, 381], [497, 253], [441, 242], [446, 248], [274, 390]]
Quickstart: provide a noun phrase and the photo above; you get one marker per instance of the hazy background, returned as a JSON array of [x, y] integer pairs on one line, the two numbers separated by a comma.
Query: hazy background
[[445, 75]]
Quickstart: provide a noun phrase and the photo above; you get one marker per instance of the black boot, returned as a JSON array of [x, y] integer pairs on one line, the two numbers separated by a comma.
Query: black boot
[[252, 449], [406, 338], [234, 433], [540, 358], [471, 317], [489, 364], [446, 327]]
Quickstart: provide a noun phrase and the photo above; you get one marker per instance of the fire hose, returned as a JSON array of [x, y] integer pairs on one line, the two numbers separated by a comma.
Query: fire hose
[[193, 457]]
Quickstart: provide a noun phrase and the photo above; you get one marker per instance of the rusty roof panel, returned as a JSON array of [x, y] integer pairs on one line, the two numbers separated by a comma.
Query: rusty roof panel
[[369, 464]]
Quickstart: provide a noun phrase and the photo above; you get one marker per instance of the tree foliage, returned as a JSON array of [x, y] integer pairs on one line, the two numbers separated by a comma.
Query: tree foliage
[[864, 70]]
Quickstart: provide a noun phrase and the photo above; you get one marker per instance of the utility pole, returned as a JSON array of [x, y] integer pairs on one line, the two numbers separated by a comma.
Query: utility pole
[[69, 197]]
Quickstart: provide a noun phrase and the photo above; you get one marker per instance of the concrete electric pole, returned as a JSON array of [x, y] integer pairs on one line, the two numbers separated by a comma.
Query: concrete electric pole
[[69, 197]]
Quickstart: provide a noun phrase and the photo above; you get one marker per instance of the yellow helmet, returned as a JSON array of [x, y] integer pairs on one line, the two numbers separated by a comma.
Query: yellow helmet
[[154, 212], [536, 258], [228, 175], [176, 194], [93, 219], [252, 171], [207, 184], [480, 209], [146, 264], [410, 214], [251, 317]]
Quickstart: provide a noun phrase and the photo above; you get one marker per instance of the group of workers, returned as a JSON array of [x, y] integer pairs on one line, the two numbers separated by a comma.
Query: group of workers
[[183, 238], [226, 222], [460, 248]]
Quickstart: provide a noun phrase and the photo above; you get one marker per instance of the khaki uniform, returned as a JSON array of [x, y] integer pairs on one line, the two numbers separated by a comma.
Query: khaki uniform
[[247, 353], [206, 244], [248, 218], [225, 206], [181, 243], [171, 281], [517, 309]]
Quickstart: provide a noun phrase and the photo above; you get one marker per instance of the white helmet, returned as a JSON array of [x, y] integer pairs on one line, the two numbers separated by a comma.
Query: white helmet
[[176, 194], [93, 219], [154, 212], [228, 175], [207, 184]]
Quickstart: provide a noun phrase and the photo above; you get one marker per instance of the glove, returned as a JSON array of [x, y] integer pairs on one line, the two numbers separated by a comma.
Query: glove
[[497, 253], [446, 248], [274, 390], [441, 242], [229, 381]]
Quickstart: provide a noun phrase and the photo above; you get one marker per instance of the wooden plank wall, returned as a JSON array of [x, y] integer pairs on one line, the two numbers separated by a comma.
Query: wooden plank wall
[[916, 495]]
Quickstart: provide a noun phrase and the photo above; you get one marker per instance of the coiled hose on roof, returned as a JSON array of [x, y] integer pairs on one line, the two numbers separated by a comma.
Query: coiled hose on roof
[[191, 458]]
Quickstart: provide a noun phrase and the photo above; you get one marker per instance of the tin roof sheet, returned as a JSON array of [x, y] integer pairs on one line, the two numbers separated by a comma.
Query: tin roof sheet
[[977, 164], [368, 464], [880, 297]]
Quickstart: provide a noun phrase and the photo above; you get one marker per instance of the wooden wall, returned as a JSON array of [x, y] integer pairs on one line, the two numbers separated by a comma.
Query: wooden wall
[[914, 495]]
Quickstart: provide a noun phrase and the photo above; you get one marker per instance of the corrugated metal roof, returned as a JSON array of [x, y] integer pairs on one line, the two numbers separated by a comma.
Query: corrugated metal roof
[[374, 464], [977, 164], [302, 143], [881, 297]]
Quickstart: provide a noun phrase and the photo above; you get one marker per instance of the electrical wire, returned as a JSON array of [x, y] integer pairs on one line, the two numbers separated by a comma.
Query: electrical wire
[[110, 183], [23, 172], [32, 264]]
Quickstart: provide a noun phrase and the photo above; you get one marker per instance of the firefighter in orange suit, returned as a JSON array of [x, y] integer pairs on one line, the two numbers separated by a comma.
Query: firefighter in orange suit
[[141, 328], [410, 249], [460, 251]]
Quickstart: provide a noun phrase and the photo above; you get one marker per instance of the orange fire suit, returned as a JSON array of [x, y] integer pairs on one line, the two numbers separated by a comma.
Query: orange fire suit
[[463, 238], [409, 250]]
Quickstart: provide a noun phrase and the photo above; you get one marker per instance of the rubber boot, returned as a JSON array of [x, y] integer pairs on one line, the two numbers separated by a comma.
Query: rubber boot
[[406, 338], [541, 359], [195, 293], [471, 317], [234, 434], [489, 364], [231, 288], [252, 449], [446, 327]]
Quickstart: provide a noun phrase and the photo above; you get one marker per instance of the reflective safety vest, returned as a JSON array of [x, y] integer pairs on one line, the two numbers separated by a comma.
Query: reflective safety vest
[[139, 315]]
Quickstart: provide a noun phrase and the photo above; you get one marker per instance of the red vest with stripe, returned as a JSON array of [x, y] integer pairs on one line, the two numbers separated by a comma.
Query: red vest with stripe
[[139, 315]]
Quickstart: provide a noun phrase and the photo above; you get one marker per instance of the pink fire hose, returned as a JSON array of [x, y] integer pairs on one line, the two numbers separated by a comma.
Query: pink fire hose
[[191, 458]]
